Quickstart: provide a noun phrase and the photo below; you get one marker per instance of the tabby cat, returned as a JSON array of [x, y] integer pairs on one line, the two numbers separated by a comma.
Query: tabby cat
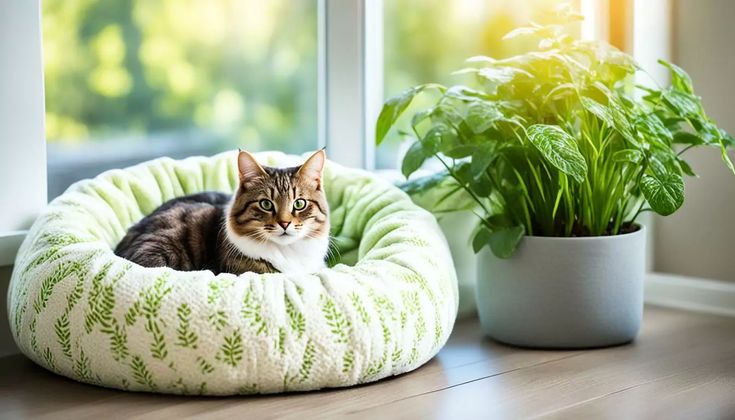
[[277, 221]]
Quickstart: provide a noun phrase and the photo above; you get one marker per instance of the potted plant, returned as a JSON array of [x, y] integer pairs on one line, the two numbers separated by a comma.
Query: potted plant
[[561, 151]]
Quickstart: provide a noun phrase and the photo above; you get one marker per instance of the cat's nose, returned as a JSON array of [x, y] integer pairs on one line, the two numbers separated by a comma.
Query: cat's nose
[[284, 224]]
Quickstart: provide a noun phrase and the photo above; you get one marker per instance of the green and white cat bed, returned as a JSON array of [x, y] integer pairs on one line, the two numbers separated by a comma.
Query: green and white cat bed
[[385, 307]]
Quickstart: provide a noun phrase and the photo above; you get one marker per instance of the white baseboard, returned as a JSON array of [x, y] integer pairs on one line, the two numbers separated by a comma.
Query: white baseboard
[[690, 293]]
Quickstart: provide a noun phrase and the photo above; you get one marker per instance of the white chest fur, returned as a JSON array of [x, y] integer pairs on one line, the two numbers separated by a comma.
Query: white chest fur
[[303, 256]]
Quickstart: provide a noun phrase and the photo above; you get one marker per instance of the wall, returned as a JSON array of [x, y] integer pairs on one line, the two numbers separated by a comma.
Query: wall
[[699, 240]]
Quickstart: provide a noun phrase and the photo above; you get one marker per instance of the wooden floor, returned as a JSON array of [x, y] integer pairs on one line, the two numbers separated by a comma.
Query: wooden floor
[[681, 366]]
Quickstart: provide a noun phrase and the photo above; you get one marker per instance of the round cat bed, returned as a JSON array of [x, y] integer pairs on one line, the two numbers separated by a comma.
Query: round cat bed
[[385, 306]]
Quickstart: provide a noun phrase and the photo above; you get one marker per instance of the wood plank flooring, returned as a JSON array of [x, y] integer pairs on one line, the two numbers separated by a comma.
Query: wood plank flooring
[[681, 366]]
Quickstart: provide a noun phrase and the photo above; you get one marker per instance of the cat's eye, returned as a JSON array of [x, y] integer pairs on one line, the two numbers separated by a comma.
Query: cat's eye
[[266, 205], [299, 204]]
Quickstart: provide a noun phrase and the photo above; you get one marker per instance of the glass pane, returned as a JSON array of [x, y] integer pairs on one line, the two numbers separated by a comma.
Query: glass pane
[[427, 40], [131, 80]]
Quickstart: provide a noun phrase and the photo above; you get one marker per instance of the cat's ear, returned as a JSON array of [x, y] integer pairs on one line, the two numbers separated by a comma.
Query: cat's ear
[[248, 167], [313, 168]]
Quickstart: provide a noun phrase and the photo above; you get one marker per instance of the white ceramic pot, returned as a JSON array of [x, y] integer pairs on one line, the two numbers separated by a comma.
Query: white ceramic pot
[[564, 292]]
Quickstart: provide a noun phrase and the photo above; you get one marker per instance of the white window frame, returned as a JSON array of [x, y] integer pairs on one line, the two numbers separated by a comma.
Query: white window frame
[[350, 78], [22, 139], [595, 24]]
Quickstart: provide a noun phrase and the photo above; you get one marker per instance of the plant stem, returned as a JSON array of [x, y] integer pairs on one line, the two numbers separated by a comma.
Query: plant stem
[[685, 149], [640, 209], [466, 187]]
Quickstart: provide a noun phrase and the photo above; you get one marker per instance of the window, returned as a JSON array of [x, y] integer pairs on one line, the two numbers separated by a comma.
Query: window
[[131, 80], [427, 40]]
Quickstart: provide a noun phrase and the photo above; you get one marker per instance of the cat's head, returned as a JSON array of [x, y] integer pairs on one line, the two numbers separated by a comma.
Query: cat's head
[[280, 205]]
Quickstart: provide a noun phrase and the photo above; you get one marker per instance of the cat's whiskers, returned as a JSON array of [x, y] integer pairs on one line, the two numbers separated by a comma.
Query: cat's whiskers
[[259, 237], [332, 250]]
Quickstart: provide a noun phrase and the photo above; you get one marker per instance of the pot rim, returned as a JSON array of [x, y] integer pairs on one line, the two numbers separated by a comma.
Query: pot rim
[[621, 236]]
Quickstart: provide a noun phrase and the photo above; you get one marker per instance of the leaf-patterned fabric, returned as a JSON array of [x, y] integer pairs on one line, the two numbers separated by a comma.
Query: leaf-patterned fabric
[[386, 305]]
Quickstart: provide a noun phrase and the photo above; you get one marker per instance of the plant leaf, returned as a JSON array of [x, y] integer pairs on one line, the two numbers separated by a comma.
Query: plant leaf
[[481, 187], [685, 167], [663, 191], [654, 128], [497, 76], [728, 140], [628, 155], [503, 242], [679, 78], [481, 59], [522, 31], [433, 139], [707, 130], [459, 151], [481, 159], [394, 107], [561, 91], [622, 121], [463, 173], [685, 137], [534, 30], [482, 238], [465, 93], [559, 148], [599, 110], [446, 112], [420, 116], [684, 104], [481, 115], [424, 183], [414, 158]]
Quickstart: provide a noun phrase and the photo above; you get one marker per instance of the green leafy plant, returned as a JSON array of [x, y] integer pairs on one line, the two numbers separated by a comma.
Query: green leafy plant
[[558, 141]]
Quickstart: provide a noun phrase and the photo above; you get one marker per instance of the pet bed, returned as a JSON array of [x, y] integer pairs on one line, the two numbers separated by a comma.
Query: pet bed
[[385, 306]]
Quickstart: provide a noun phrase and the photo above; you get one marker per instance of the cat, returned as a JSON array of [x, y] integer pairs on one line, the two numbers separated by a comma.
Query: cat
[[276, 221]]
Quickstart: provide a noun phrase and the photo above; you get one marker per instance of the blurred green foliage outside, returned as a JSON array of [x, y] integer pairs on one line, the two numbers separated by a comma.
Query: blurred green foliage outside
[[237, 73], [242, 72]]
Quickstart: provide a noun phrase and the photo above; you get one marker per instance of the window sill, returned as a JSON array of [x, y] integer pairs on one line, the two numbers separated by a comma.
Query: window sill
[[9, 244]]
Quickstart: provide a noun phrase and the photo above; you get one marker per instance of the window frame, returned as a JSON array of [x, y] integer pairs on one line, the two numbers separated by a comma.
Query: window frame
[[350, 85], [22, 124]]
